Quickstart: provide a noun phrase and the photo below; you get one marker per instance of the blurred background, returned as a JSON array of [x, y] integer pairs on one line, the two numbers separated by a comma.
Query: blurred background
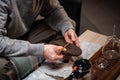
[[96, 15]]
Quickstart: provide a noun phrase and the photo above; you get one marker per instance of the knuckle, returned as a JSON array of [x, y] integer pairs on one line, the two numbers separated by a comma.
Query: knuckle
[[52, 58]]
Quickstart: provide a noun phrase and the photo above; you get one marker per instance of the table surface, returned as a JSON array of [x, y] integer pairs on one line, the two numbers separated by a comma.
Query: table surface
[[94, 37]]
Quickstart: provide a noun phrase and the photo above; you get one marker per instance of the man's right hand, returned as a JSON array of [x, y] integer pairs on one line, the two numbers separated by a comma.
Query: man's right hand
[[50, 52]]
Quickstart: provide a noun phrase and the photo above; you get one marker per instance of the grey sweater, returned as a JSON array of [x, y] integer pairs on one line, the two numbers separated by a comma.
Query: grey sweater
[[16, 17]]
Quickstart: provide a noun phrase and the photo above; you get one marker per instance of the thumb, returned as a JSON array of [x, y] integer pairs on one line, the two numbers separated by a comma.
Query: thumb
[[60, 49]]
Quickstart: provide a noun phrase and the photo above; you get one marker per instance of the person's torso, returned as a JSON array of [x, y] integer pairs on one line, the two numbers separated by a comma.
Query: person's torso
[[22, 14]]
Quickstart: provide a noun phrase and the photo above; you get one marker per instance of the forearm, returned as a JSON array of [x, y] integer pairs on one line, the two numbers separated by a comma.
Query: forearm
[[13, 47]]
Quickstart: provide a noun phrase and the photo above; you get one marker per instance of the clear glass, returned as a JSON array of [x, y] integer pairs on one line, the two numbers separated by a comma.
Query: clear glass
[[101, 63], [111, 49]]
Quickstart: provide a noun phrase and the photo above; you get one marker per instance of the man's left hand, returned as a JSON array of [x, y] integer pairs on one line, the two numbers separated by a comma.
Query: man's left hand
[[71, 37]]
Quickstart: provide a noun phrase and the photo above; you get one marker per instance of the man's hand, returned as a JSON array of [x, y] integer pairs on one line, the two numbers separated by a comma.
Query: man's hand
[[51, 52], [71, 37]]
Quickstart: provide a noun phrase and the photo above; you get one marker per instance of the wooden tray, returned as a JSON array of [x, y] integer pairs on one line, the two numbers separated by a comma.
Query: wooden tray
[[109, 73]]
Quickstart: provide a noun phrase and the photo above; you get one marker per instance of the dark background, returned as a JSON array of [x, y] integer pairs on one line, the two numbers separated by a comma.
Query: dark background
[[95, 15]]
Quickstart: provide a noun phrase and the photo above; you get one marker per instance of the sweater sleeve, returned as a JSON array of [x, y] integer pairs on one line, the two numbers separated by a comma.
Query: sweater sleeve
[[14, 47], [56, 17]]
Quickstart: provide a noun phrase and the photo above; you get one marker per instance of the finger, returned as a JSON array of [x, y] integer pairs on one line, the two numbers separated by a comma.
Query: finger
[[64, 49], [60, 50], [58, 57], [73, 37], [55, 57], [77, 41], [67, 39]]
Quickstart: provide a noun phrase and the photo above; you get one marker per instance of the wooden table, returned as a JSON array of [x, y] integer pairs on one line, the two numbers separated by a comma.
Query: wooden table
[[94, 37]]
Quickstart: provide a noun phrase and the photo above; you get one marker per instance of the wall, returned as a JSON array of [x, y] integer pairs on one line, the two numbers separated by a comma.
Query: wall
[[100, 16]]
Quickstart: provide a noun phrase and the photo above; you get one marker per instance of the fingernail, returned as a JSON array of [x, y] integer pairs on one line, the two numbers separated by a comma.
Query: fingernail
[[64, 49]]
